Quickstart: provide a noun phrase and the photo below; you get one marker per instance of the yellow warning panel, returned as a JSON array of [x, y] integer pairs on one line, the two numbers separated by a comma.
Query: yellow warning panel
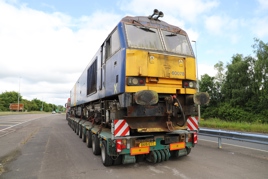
[[139, 150], [177, 146]]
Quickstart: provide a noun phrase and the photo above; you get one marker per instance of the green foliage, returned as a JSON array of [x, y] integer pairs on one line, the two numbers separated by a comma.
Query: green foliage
[[34, 105], [7, 98], [261, 73], [241, 93], [210, 85], [237, 86]]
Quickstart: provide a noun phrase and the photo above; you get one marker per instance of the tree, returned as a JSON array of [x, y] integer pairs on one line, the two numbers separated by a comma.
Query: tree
[[8, 97], [236, 88], [219, 77], [37, 104], [60, 108], [34, 105], [261, 74], [27, 104], [239, 91]]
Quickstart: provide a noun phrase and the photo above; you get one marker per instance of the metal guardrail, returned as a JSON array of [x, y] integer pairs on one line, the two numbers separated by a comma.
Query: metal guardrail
[[253, 138]]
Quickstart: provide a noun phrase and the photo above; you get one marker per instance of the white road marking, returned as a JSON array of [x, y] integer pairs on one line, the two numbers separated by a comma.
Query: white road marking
[[18, 124], [8, 132], [235, 145]]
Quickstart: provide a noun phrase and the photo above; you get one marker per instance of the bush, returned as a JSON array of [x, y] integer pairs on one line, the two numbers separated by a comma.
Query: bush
[[228, 113]]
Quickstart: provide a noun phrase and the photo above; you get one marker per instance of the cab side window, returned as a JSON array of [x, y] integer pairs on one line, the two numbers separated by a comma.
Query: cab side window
[[112, 44], [92, 78]]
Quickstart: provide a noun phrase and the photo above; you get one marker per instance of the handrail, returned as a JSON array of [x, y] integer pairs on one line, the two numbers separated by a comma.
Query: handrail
[[247, 137]]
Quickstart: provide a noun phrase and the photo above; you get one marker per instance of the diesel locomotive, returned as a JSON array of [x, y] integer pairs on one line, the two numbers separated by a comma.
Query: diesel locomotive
[[137, 98]]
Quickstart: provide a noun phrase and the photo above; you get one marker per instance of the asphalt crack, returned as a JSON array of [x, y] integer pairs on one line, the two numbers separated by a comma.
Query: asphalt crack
[[8, 158], [14, 154]]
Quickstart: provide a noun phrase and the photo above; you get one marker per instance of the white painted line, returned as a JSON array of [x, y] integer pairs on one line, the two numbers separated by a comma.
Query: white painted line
[[11, 130], [20, 124], [235, 145]]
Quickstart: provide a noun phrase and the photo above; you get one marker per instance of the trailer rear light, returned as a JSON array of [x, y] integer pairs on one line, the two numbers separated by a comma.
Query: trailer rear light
[[192, 137], [136, 81], [120, 145], [195, 138]]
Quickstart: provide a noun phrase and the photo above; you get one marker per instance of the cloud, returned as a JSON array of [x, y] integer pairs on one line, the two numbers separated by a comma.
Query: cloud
[[224, 26], [259, 27], [206, 69], [188, 10], [47, 50], [221, 24], [263, 4]]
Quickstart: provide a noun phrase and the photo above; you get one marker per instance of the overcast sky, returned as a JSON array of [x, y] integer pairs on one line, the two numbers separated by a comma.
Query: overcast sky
[[46, 44]]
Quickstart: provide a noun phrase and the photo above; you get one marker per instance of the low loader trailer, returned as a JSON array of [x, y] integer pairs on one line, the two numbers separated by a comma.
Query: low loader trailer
[[115, 149]]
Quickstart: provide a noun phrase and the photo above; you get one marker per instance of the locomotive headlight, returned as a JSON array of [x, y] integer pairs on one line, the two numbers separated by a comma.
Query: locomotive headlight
[[135, 81], [191, 84]]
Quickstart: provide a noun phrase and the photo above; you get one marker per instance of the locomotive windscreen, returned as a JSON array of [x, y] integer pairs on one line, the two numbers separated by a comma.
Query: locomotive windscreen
[[150, 38]]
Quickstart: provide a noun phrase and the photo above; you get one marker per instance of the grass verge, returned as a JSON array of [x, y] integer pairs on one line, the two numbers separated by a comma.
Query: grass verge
[[236, 126], [15, 113]]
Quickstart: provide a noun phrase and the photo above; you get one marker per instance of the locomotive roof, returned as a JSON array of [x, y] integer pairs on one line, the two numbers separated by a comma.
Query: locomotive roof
[[151, 22]]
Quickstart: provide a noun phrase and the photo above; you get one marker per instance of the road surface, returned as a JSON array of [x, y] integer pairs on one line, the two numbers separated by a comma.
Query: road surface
[[46, 147]]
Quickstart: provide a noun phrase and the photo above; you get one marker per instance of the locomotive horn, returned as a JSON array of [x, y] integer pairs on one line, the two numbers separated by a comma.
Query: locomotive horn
[[160, 14], [156, 12]]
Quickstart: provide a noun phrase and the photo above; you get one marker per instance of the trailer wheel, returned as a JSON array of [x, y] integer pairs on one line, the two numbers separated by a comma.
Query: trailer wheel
[[118, 160], [105, 158], [151, 157], [77, 129], [80, 131], [89, 139], [140, 158], [167, 154], [83, 137], [163, 156], [159, 157], [96, 145], [73, 126]]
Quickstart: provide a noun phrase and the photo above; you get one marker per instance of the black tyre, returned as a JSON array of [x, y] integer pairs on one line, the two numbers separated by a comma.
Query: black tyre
[[80, 131], [139, 158], [105, 158], [83, 137], [159, 159], [152, 157], [77, 129], [96, 145], [74, 127], [118, 160], [163, 156], [174, 154], [89, 139]]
